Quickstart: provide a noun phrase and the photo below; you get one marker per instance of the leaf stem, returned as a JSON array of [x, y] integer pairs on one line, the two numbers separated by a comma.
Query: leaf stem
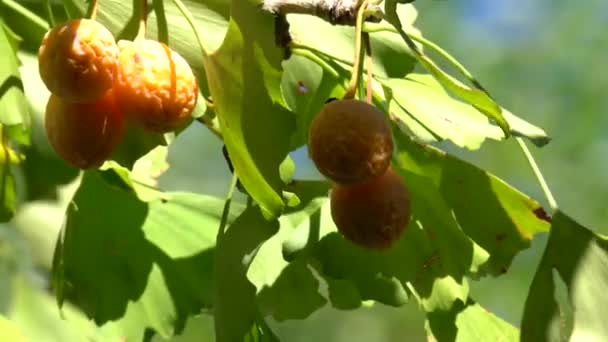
[[161, 19], [49, 13], [212, 126], [188, 16], [538, 174], [92, 10], [143, 18], [354, 80], [306, 53], [29, 15], [369, 66]]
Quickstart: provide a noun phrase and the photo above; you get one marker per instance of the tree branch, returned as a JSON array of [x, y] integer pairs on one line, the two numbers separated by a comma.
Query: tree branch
[[342, 12]]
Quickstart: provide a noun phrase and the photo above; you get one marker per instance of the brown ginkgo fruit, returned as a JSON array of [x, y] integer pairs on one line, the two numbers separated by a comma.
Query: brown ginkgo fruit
[[350, 141], [372, 214], [155, 87], [84, 134], [77, 60]]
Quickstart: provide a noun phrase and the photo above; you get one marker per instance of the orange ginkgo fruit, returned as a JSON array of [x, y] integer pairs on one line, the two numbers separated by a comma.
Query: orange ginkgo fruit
[[78, 60], [155, 87], [84, 134]]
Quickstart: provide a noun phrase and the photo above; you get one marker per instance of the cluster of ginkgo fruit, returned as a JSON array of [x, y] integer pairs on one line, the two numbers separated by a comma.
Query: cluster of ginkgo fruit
[[351, 143], [98, 86]]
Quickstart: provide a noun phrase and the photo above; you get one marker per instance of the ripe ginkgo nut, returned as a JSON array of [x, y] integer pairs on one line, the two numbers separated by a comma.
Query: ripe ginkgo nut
[[350, 141], [155, 86], [372, 214], [84, 134], [77, 60]]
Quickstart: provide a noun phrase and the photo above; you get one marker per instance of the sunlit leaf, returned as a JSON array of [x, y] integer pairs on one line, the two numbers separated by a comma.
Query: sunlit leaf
[[147, 265], [584, 272], [244, 78], [391, 56], [476, 97], [235, 308], [14, 113], [469, 322], [432, 115]]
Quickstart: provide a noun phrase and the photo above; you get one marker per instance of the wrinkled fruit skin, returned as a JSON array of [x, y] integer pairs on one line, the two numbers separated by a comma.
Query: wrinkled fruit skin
[[155, 86], [372, 214], [78, 60], [350, 141], [84, 134]]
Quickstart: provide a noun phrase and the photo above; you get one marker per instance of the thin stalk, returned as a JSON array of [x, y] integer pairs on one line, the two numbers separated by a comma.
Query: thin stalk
[[369, 66], [161, 19], [29, 15], [538, 174], [92, 10], [354, 80], [306, 53], [188, 16], [49, 13], [208, 122], [143, 18]]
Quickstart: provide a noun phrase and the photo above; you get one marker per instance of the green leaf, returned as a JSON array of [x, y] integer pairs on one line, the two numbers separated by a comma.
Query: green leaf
[[306, 87], [584, 272], [476, 97], [14, 113], [464, 222], [255, 125], [146, 265], [235, 308], [288, 290], [469, 322], [524, 129], [425, 110], [496, 216], [391, 56]]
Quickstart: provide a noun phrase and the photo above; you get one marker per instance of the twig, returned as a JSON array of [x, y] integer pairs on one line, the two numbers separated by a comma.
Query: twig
[[343, 12], [356, 73]]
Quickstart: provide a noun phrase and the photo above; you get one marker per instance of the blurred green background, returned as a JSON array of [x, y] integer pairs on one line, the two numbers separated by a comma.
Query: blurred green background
[[542, 59]]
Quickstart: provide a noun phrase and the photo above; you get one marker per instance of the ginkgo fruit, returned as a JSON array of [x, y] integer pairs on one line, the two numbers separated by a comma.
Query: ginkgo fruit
[[350, 141], [84, 134], [78, 60], [372, 214], [155, 86]]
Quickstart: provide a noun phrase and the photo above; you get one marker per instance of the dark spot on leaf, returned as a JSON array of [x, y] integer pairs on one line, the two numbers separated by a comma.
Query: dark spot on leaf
[[302, 88], [163, 200], [500, 237], [542, 214], [459, 181], [503, 269]]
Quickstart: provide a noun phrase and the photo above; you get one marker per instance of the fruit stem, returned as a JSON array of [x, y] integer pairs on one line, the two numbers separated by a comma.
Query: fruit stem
[[29, 15], [211, 125], [161, 20], [49, 12], [306, 53], [186, 13], [143, 18], [92, 10], [354, 80], [368, 65], [538, 174]]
